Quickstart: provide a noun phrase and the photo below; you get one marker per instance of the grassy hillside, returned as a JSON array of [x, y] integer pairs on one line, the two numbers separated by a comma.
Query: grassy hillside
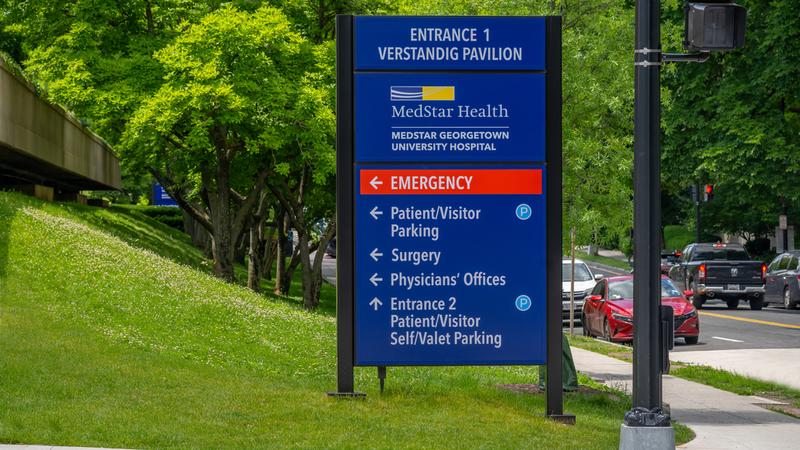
[[112, 333], [676, 237]]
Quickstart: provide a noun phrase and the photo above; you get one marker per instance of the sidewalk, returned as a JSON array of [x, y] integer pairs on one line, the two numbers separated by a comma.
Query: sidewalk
[[720, 419], [615, 254], [779, 365]]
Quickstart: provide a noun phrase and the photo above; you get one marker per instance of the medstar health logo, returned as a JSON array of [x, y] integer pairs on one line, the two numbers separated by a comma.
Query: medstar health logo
[[423, 93]]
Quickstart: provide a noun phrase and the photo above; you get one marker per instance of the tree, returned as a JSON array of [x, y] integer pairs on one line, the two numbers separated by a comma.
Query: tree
[[734, 122], [304, 181], [232, 87]]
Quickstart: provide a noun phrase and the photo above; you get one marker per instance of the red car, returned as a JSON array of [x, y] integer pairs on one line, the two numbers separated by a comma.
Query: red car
[[608, 310]]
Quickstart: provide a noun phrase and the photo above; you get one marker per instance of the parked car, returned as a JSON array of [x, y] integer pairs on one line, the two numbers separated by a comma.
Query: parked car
[[584, 283], [608, 311], [722, 271], [783, 280], [669, 259]]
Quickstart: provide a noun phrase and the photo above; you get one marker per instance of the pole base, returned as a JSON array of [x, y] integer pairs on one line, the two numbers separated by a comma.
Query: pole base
[[566, 419], [646, 438], [348, 395]]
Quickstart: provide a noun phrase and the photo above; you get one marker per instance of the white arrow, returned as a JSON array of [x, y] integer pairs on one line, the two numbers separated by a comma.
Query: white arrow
[[375, 303], [375, 213], [375, 254], [374, 279], [375, 182]]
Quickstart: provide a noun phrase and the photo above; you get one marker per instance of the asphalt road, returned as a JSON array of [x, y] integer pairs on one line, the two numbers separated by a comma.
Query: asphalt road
[[328, 268], [742, 328]]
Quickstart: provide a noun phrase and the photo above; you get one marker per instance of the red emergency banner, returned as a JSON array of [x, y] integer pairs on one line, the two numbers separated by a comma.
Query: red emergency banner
[[450, 181]]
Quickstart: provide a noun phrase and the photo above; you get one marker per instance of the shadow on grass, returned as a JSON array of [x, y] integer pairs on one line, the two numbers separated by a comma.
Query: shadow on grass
[[8, 210], [327, 300]]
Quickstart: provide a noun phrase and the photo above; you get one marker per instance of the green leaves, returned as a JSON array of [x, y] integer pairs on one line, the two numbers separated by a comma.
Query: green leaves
[[729, 123], [237, 71]]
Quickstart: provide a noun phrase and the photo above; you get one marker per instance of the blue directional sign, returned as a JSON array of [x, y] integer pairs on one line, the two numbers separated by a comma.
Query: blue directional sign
[[451, 43], [476, 117], [448, 170], [452, 274]]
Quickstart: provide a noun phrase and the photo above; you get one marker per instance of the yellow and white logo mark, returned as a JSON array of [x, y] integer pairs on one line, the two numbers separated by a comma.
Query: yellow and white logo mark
[[423, 93]]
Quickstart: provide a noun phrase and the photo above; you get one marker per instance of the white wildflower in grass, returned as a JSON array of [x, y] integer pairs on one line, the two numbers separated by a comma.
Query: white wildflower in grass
[[118, 288]]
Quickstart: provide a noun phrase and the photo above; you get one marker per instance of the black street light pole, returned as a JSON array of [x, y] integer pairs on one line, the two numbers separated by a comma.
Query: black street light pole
[[647, 207], [697, 230], [646, 425], [709, 27]]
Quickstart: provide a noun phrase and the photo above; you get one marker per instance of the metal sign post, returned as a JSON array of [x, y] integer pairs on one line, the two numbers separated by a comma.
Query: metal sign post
[[449, 194]]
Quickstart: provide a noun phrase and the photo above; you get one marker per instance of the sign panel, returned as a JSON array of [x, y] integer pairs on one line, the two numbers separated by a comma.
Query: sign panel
[[426, 117], [161, 197], [450, 43], [450, 265], [448, 194], [450, 205]]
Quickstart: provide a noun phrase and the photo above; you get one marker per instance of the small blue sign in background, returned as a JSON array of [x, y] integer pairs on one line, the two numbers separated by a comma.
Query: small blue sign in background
[[161, 198]]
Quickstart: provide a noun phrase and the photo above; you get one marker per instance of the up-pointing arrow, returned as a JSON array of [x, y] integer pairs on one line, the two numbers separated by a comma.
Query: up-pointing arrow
[[375, 279], [375, 213], [375, 254], [375, 182], [376, 303]]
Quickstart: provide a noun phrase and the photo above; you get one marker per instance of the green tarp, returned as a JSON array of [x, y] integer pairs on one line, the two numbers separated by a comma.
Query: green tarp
[[569, 374]]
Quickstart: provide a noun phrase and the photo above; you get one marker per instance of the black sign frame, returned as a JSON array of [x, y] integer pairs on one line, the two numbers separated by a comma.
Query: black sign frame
[[345, 220]]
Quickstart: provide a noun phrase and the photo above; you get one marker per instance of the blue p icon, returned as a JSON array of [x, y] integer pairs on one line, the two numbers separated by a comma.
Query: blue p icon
[[524, 211], [523, 303]]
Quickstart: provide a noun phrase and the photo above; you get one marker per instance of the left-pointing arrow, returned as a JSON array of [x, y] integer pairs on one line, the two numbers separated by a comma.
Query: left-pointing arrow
[[375, 303], [375, 279], [375, 254], [375, 182]]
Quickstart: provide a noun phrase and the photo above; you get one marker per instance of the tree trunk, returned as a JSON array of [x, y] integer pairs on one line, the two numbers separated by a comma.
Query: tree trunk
[[148, 13], [222, 245], [254, 260], [310, 300], [223, 241], [280, 267], [269, 248], [312, 270], [200, 236], [288, 275]]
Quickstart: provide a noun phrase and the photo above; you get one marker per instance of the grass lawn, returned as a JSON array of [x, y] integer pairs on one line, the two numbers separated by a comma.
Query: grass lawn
[[113, 333], [613, 262], [623, 352], [676, 237]]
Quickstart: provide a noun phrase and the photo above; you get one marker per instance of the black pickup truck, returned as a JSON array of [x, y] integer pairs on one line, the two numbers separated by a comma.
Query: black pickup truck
[[722, 271]]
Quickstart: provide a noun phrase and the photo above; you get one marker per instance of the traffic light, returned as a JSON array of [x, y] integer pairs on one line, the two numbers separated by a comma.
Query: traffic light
[[708, 194], [711, 26]]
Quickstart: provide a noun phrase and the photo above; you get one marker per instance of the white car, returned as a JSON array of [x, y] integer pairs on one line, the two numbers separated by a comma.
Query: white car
[[584, 283]]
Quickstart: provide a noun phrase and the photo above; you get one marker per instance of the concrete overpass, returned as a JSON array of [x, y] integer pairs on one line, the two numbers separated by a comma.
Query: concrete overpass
[[44, 150]]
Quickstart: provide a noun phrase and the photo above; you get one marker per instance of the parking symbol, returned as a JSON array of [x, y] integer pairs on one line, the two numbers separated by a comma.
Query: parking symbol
[[524, 211], [523, 303]]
